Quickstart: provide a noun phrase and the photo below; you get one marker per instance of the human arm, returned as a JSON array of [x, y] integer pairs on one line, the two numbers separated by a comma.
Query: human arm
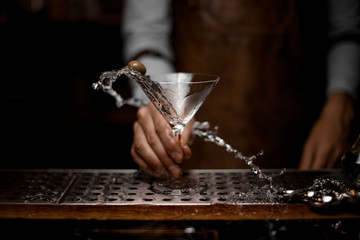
[[146, 29], [329, 137]]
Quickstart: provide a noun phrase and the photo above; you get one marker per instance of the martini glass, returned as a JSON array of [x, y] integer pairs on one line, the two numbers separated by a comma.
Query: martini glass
[[178, 96]]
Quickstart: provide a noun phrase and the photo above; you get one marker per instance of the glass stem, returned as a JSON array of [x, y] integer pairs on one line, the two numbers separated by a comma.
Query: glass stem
[[177, 133]]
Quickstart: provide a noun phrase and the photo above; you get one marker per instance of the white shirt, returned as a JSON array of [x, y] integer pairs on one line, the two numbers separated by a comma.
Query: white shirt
[[147, 25]]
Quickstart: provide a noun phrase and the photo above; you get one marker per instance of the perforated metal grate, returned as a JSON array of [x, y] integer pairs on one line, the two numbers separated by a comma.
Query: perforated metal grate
[[128, 187]]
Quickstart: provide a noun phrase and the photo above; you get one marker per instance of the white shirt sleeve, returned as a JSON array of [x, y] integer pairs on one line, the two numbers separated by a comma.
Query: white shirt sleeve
[[344, 55], [147, 26]]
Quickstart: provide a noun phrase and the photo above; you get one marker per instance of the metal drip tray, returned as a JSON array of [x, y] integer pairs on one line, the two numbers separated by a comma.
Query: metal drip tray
[[109, 190], [131, 187], [195, 187]]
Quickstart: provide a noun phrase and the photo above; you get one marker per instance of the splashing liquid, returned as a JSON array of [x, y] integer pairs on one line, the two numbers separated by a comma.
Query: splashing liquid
[[202, 130], [324, 192], [154, 92]]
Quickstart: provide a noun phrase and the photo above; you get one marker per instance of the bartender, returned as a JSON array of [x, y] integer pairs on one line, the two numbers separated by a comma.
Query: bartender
[[289, 80]]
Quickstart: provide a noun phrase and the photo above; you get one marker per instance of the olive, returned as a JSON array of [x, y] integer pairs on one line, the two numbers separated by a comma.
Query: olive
[[137, 66]]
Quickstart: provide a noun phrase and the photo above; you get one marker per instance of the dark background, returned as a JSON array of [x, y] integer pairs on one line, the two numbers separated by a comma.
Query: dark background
[[52, 52]]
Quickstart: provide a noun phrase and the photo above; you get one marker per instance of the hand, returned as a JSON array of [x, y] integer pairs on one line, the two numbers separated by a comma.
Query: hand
[[329, 137], [154, 148]]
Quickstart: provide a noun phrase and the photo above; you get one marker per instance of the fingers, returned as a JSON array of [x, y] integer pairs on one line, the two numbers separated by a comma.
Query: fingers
[[307, 158], [144, 156], [322, 156], [170, 145], [319, 156], [187, 133], [329, 136], [154, 148], [141, 163], [185, 137], [186, 150]]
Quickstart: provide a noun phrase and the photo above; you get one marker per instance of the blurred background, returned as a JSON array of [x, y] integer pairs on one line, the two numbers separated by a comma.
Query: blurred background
[[52, 52]]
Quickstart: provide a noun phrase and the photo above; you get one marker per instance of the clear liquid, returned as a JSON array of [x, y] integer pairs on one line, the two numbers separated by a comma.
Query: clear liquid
[[324, 187], [157, 96]]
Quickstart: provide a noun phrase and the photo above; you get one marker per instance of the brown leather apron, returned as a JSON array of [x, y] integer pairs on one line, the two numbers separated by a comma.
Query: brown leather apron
[[254, 47]]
